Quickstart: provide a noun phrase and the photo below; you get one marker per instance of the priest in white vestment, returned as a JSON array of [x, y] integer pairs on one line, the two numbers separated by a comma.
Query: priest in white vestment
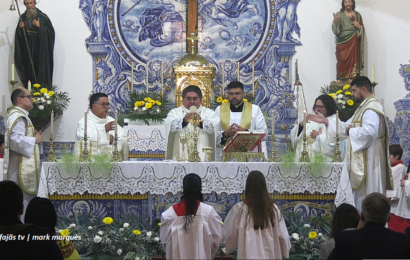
[[21, 156], [367, 143], [238, 115], [191, 229], [101, 130], [178, 124], [316, 141]]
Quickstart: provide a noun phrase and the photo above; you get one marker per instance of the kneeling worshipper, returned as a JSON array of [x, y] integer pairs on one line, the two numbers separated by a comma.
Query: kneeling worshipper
[[238, 115], [191, 229], [316, 141], [177, 125], [100, 129]]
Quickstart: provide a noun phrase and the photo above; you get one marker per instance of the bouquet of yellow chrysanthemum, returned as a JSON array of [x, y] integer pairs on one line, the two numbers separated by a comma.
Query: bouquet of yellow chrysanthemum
[[148, 107], [46, 99], [219, 100], [343, 98]]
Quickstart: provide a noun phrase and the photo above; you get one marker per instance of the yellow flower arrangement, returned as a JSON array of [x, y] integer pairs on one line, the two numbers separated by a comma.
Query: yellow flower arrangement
[[36, 85], [219, 99], [36, 94], [159, 224], [152, 102], [108, 220], [348, 93], [148, 105], [51, 93], [312, 234], [136, 232], [34, 100], [346, 87], [137, 104], [43, 90], [350, 102], [224, 101], [245, 100], [332, 95], [147, 99], [338, 92], [158, 103], [65, 232]]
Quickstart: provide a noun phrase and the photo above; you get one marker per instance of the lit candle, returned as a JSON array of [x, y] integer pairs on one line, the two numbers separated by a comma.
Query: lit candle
[[253, 78], [132, 76], [116, 120], [223, 77], [238, 70], [147, 78], [273, 123], [85, 122], [162, 78], [12, 71], [304, 123], [337, 122], [29, 86], [373, 74], [52, 122]]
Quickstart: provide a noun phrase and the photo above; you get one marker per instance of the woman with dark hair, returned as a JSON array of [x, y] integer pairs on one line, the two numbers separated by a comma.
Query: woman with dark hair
[[345, 217], [191, 229], [41, 212], [315, 132], [256, 225]]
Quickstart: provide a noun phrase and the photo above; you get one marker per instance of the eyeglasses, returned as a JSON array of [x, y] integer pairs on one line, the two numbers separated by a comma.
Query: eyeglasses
[[104, 104], [28, 96], [317, 106]]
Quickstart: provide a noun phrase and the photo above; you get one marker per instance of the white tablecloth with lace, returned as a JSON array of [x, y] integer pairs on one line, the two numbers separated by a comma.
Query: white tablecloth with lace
[[163, 177]]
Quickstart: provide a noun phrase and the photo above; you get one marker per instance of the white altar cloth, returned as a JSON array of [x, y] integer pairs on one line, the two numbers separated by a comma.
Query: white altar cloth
[[165, 176]]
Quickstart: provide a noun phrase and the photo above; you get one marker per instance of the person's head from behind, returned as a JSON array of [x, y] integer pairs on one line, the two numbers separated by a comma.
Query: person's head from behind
[[395, 152], [11, 199], [192, 187], [21, 97], [191, 96], [2, 146], [41, 212], [235, 92], [376, 209], [345, 216], [257, 198], [325, 105], [361, 88], [99, 105]]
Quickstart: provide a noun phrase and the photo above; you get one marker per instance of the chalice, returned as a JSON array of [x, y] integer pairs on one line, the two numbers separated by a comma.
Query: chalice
[[183, 141], [208, 151]]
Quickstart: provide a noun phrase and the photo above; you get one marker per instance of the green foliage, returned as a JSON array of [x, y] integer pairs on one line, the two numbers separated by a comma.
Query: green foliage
[[100, 164], [317, 164], [69, 163], [156, 113], [288, 161]]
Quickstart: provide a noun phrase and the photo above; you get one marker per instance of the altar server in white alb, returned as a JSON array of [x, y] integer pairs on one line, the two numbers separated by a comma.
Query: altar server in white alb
[[21, 155], [101, 129], [238, 115], [367, 142], [256, 226], [177, 124], [399, 215], [191, 229], [315, 132]]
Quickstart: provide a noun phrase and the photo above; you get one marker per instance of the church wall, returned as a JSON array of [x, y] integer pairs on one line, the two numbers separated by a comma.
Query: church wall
[[387, 39]]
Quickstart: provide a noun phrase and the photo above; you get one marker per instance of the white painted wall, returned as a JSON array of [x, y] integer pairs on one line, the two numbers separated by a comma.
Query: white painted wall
[[387, 25]]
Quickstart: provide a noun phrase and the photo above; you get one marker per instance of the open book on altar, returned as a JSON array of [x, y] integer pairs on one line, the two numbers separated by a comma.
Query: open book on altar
[[244, 141]]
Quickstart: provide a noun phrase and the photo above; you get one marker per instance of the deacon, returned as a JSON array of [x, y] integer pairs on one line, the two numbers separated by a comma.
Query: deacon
[[101, 129], [21, 155], [38, 49], [178, 124], [238, 115], [367, 142]]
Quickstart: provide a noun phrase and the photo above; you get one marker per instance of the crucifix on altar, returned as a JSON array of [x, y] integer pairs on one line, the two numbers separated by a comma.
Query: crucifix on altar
[[191, 25]]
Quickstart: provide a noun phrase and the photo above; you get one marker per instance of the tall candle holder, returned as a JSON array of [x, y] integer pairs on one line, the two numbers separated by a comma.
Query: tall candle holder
[[85, 156], [304, 156], [51, 154], [195, 122], [273, 157], [337, 157], [115, 154]]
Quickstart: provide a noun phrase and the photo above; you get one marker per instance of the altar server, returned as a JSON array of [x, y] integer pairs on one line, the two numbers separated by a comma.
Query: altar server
[[191, 229], [21, 155], [101, 129], [367, 143], [256, 226], [238, 115], [315, 132], [177, 124]]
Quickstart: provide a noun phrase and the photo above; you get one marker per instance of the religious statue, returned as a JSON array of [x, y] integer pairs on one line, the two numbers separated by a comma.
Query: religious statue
[[349, 30], [34, 47]]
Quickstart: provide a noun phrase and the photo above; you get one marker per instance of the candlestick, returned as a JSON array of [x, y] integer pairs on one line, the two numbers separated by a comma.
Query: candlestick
[[373, 74], [162, 78], [52, 121], [223, 77], [238, 70], [304, 122], [116, 120], [304, 155], [273, 152], [12, 72], [132, 76], [147, 78], [273, 122], [29, 86], [253, 78], [337, 123], [85, 122]]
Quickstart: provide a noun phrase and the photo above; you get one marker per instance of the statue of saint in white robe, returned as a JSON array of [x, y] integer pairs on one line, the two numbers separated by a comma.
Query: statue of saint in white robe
[[100, 139], [175, 128]]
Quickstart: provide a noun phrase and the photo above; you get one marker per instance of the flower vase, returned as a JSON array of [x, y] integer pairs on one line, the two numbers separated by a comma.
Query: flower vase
[[223, 257]]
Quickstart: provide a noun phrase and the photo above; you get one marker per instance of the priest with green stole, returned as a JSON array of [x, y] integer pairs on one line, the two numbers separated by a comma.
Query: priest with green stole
[[238, 115]]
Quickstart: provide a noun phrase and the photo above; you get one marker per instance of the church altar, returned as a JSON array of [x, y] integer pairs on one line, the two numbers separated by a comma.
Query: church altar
[[156, 186]]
